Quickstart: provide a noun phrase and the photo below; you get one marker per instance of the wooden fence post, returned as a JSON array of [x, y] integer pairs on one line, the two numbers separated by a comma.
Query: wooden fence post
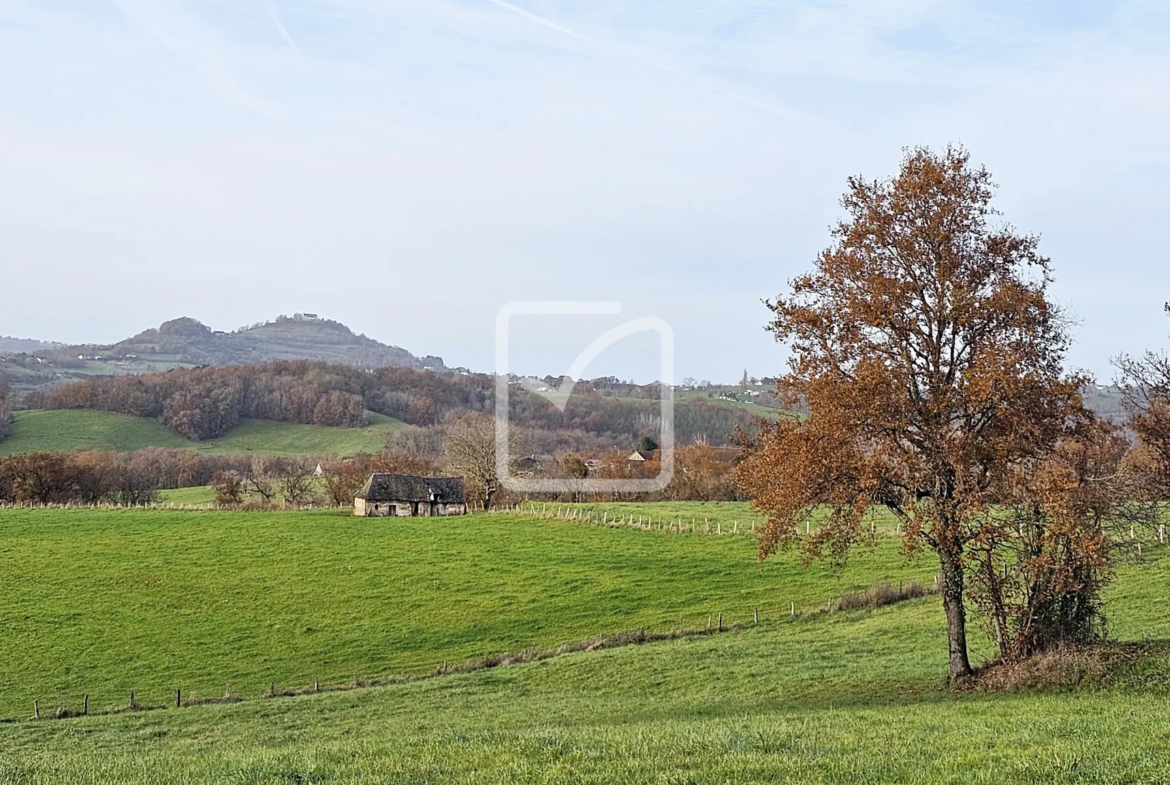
[[792, 609], [85, 705], [756, 615], [133, 705], [36, 710], [721, 622], [178, 698]]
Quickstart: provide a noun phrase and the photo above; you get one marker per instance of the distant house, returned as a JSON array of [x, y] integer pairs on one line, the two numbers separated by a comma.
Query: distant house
[[724, 455], [404, 495]]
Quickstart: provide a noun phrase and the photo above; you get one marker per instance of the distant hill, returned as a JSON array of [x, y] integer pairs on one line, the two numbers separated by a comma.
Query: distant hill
[[186, 342], [17, 345]]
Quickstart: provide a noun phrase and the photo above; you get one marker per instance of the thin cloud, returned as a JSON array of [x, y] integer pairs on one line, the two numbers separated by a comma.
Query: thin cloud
[[183, 38], [540, 20]]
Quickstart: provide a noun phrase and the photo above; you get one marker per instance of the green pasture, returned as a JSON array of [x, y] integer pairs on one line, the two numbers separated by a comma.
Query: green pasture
[[74, 431], [102, 602], [107, 601], [201, 494], [749, 406]]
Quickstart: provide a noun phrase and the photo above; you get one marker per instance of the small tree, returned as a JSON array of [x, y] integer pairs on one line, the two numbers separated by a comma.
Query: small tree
[[574, 468], [343, 479], [929, 359], [1039, 566], [258, 478], [1146, 382], [296, 480], [228, 487]]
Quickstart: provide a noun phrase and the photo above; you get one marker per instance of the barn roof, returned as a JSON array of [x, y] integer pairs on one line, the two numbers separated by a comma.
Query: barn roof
[[408, 488]]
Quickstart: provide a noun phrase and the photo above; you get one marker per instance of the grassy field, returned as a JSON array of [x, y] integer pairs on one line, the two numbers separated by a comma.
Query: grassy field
[[73, 431], [749, 406], [154, 600], [104, 602], [202, 494]]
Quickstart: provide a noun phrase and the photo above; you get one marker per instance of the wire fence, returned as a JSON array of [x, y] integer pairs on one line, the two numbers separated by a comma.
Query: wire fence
[[716, 623]]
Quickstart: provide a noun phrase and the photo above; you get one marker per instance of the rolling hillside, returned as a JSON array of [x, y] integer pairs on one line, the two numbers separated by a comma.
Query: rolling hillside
[[843, 697], [68, 430], [200, 600]]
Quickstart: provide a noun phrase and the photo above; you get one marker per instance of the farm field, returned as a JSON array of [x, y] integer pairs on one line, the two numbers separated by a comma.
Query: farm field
[[839, 698], [749, 406], [102, 602], [73, 431]]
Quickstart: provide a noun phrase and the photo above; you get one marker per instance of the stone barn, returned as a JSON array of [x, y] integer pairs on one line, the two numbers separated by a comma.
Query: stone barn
[[404, 495]]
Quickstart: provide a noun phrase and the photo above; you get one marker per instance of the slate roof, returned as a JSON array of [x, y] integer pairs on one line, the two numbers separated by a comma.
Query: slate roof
[[408, 488]]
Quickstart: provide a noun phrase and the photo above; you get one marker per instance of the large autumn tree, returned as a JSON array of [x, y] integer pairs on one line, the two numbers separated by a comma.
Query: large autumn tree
[[928, 361]]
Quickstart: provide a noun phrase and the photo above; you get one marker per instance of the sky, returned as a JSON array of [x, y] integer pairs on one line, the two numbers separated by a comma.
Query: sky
[[409, 168]]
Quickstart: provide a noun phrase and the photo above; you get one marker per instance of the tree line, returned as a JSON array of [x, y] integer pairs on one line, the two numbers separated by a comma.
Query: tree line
[[204, 403], [97, 477], [5, 407]]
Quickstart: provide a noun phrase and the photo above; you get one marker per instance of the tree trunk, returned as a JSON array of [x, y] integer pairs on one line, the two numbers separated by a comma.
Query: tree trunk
[[952, 570]]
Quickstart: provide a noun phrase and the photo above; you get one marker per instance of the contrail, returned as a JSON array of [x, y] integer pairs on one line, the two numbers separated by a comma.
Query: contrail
[[188, 42], [274, 14], [540, 20]]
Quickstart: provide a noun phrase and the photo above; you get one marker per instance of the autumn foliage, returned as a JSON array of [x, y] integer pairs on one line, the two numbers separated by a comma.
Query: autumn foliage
[[929, 359]]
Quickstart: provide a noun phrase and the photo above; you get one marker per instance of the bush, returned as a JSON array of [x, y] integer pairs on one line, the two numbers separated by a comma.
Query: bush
[[884, 593]]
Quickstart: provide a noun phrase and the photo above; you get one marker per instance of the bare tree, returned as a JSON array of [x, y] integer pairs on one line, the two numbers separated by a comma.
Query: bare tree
[[258, 478], [296, 480], [469, 451]]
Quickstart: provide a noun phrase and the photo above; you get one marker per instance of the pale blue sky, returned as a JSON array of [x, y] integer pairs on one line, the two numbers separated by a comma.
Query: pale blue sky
[[409, 167]]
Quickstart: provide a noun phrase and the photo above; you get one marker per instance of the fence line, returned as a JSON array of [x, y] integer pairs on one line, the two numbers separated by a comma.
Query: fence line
[[715, 625], [643, 522]]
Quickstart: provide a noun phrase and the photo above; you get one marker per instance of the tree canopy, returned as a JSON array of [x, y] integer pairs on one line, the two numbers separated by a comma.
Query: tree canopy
[[929, 359]]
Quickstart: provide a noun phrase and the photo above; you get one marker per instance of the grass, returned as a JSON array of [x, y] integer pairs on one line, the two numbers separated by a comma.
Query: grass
[[74, 431], [836, 698], [700, 516], [107, 601], [202, 494], [751, 407]]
